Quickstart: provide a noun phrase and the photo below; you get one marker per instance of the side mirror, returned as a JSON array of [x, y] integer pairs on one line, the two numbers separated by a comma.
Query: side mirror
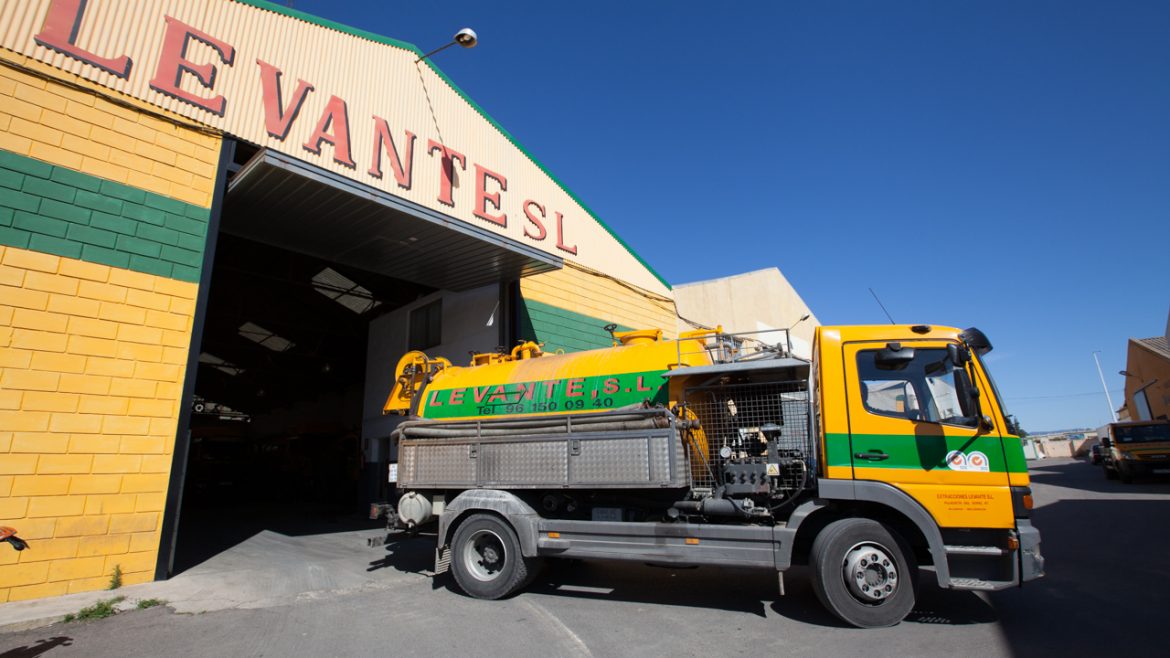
[[969, 400], [958, 355], [893, 357], [976, 340]]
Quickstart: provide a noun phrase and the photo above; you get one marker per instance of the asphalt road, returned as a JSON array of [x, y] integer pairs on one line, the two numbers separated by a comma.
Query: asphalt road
[[1107, 592]]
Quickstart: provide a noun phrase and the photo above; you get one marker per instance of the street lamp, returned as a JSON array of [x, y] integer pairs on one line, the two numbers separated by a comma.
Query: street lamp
[[788, 331], [1112, 413], [465, 37]]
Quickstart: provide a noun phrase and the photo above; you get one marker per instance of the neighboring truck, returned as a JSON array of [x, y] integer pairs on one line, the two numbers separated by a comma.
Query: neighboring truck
[[1135, 449], [888, 450]]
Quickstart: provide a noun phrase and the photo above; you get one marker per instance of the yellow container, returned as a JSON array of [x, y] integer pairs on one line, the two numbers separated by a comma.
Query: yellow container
[[528, 382]]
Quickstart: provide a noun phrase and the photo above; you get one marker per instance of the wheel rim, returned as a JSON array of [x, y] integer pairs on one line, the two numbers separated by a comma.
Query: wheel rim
[[484, 555], [870, 573]]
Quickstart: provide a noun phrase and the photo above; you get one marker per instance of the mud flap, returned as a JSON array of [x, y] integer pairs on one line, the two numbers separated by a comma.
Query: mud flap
[[442, 559]]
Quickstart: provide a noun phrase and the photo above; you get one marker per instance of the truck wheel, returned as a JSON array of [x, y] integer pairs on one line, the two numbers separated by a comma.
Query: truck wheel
[[862, 573], [486, 559], [1126, 474]]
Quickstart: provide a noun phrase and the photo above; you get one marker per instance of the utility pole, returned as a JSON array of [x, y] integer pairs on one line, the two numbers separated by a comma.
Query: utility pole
[[1112, 412]]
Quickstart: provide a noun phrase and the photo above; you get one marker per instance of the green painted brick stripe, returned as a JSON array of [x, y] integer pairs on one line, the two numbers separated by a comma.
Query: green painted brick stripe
[[927, 452], [562, 329], [597, 393], [377, 38], [72, 214]]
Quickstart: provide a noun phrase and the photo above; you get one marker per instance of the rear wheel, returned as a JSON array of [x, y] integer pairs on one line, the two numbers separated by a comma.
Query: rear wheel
[[863, 573], [486, 558]]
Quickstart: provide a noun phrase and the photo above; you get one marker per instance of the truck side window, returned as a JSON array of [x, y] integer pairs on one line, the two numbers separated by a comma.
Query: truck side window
[[925, 390]]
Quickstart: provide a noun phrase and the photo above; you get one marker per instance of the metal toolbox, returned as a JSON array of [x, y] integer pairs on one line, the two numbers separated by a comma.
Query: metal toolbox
[[559, 454]]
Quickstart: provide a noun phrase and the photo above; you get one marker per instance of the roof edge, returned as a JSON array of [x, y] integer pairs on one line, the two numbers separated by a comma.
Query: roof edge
[[741, 275], [377, 38], [1151, 345]]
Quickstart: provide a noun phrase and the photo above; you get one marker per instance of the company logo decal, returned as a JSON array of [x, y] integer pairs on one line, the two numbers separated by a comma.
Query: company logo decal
[[975, 462]]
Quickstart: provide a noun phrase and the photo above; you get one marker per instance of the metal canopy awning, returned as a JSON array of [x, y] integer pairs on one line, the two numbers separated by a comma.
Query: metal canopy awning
[[284, 202]]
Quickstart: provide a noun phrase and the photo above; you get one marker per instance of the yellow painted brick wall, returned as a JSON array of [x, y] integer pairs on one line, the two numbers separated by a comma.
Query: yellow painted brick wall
[[82, 130], [92, 361], [594, 294]]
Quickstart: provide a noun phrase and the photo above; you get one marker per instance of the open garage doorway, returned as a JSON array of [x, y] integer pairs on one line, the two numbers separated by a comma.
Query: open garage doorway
[[275, 432], [316, 288]]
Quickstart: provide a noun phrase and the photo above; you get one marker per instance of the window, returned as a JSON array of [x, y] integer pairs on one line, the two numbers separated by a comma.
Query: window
[[926, 389], [1142, 405], [1142, 433], [262, 336], [426, 326], [344, 291], [220, 364]]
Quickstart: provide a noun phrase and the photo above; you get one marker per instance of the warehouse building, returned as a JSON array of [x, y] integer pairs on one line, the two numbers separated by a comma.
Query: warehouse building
[[217, 236]]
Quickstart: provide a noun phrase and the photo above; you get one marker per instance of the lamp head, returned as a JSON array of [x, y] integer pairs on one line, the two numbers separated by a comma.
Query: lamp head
[[466, 38]]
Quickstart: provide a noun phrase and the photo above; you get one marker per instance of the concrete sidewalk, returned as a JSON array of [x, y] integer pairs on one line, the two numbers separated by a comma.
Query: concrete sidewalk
[[266, 570]]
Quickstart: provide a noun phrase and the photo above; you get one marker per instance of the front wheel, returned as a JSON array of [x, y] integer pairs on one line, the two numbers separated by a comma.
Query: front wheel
[[486, 558], [1126, 473], [862, 574]]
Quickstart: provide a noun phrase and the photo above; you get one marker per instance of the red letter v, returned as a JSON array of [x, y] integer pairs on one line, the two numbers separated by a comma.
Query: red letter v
[[278, 117]]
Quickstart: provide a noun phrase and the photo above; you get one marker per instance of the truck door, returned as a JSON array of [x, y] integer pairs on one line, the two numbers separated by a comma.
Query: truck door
[[907, 428]]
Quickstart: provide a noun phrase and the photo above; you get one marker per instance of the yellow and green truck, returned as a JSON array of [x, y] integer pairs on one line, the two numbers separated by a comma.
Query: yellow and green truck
[[888, 450], [1135, 449]]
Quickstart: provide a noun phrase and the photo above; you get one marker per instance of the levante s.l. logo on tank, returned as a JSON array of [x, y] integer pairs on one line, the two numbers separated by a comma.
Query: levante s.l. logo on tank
[[598, 393]]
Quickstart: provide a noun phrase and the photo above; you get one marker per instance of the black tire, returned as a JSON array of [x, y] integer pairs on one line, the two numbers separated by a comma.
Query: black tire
[[1126, 474], [486, 558], [841, 567], [1110, 474]]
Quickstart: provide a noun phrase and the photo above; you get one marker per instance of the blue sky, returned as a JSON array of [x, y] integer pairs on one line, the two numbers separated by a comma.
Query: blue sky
[[998, 164]]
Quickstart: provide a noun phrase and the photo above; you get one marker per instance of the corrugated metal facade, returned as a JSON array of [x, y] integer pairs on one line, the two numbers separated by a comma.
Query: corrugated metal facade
[[374, 79], [106, 188]]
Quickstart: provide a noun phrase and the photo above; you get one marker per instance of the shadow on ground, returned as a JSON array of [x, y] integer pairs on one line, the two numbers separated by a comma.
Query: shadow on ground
[[38, 648], [205, 532], [1107, 583], [747, 591], [408, 554], [1087, 477]]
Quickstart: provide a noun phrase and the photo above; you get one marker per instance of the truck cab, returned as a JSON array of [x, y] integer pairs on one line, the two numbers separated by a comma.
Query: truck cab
[[909, 414]]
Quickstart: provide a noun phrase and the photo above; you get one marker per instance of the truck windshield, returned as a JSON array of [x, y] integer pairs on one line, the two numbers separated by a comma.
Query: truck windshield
[[1142, 433], [994, 390]]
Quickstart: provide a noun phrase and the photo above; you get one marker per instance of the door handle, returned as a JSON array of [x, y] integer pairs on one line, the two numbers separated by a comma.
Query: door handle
[[872, 455]]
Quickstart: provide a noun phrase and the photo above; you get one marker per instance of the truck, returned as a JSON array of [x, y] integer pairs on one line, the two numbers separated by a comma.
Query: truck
[[1134, 449], [886, 451]]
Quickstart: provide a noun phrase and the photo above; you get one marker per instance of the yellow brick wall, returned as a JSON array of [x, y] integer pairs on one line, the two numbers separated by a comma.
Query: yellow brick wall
[[81, 129], [92, 360], [594, 294]]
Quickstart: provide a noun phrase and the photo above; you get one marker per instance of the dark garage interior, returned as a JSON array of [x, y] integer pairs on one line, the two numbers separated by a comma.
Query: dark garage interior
[[305, 260], [275, 431]]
